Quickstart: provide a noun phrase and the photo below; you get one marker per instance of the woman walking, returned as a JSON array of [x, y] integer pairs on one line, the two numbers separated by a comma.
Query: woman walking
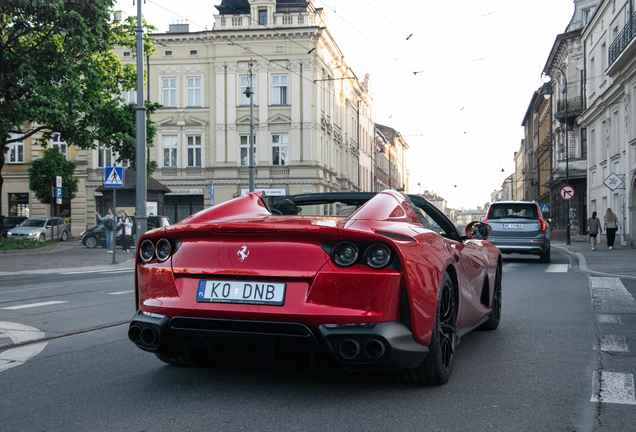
[[594, 229], [125, 230], [109, 226], [611, 226]]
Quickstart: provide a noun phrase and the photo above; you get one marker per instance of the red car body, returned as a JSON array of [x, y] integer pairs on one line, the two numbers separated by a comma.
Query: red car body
[[356, 316]]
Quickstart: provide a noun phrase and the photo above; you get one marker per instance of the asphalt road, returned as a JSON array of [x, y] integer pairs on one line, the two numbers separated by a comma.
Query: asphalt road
[[538, 372]]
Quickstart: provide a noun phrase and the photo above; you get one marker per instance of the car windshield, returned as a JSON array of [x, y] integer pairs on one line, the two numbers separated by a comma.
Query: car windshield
[[518, 211], [33, 223]]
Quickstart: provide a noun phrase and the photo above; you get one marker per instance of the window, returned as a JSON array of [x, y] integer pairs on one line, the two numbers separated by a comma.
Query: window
[[126, 53], [167, 53], [245, 150], [104, 157], [245, 83], [129, 96], [262, 17], [194, 151], [16, 149], [56, 141], [280, 149], [587, 15], [170, 151], [279, 89], [19, 204], [194, 52], [583, 142], [194, 92], [169, 87]]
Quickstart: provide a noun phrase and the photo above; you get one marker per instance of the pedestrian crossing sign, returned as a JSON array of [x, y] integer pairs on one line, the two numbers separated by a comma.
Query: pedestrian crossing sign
[[114, 177], [545, 208]]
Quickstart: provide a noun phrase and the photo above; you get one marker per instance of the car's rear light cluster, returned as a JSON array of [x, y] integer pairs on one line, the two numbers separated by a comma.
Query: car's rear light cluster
[[543, 224], [160, 251], [377, 255]]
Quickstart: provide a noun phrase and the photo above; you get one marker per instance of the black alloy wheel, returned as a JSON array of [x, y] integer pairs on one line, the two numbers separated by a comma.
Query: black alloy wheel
[[495, 313], [91, 242], [438, 364]]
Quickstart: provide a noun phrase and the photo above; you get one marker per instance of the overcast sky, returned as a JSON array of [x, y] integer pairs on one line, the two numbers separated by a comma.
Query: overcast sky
[[477, 64]]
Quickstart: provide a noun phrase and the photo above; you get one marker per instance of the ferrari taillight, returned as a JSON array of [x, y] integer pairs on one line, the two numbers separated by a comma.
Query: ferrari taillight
[[345, 254], [161, 251], [378, 256]]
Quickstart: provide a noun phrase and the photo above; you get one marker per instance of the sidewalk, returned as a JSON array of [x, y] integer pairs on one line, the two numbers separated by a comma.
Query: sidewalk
[[620, 261], [68, 256]]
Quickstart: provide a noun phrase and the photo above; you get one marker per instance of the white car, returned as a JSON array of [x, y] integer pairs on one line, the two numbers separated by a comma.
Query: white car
[[41, 229]]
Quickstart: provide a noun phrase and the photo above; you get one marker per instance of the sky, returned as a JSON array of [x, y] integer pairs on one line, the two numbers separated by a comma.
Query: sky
[[457, 89]]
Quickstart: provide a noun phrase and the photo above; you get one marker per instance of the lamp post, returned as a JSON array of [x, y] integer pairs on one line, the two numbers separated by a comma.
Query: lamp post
[[547, 95]]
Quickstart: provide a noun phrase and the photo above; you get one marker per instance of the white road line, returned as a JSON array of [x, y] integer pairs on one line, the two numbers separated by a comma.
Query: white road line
[[121, 292], [557, 268], [613, 387], [31, 305], [99, 271], [609, 295], [17, 356], [612, 343], [20, 333], [608, 319]]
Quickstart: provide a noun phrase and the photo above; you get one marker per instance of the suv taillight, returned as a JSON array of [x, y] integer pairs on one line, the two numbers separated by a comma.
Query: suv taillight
[[543, 224]]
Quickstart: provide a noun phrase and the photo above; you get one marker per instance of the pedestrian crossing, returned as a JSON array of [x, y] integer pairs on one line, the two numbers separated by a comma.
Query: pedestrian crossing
[[609, 299]]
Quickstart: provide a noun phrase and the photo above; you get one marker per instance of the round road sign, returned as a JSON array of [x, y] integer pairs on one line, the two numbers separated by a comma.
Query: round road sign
[[567, 192]]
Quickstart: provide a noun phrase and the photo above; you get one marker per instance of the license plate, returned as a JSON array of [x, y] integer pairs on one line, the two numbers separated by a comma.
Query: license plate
[[241, 292], [513, 226]]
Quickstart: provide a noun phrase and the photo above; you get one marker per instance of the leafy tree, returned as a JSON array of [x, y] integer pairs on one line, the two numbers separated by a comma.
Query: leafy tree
[[59, 74], [486, 206], [43, 172]]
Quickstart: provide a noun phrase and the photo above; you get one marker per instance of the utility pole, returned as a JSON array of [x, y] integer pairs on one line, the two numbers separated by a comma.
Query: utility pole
[[250, 93], [141, 219]]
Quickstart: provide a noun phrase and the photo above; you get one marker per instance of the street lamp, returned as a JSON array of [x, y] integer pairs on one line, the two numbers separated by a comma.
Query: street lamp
[[547, 94]]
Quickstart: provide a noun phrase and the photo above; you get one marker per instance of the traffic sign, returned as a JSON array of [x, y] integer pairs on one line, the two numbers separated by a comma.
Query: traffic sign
[[58, 189], [114, 177], [545, 208], [613, 182], [567, 192]]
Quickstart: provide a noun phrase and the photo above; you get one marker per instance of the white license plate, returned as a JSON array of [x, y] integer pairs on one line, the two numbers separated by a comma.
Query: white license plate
[[513, 226], [242, 292]]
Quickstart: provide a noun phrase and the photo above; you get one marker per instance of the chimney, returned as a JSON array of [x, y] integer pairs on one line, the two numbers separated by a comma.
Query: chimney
[[179, 28]]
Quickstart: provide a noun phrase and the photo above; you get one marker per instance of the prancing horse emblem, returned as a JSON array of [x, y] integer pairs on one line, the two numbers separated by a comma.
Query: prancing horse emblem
[[242, 253]]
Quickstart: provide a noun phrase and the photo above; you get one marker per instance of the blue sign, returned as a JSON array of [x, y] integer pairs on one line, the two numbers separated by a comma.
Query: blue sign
[[114, 177], [58, 193], [545, 208]]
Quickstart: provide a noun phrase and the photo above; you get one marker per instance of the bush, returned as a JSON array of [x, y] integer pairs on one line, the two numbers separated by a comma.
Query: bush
[[10, 244]]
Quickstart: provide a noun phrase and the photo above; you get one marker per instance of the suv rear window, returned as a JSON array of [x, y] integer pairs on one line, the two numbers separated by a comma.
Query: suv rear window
[[519, 211]]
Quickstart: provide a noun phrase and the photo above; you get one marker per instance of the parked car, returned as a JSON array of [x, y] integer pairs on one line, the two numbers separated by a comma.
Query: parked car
[[11, 222], [96, 236], [517, 227], [41, 229], [378, 282]]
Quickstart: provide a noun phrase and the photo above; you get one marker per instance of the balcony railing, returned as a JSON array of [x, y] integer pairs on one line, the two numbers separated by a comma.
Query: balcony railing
[[623, 39], [576, 106]]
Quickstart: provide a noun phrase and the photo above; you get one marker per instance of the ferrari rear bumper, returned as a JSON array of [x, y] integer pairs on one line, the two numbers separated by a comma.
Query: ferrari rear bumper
[[385, 346]]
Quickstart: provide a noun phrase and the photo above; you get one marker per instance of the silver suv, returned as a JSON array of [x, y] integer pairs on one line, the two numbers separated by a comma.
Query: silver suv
[[41, 229], [517, 227]]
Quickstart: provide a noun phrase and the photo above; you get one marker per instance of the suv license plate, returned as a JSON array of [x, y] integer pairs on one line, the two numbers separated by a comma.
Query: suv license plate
[[513, 226], [241, 292]]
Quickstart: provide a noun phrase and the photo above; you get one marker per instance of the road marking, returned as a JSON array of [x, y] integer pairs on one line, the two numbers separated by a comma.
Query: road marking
[[99, 271], [612, 343], [509, 266], [20, 333], [122, 292], [608, 319], [609, 295], [557, 268], [31, 305], [613, 387], [17, 356]]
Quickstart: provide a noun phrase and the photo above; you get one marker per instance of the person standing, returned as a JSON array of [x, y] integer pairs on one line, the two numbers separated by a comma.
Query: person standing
[[109, 228], [125, 230], [611, 226], [594, 229]]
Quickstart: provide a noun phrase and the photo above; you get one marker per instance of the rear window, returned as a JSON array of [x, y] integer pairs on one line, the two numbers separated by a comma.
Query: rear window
[[519, 211]]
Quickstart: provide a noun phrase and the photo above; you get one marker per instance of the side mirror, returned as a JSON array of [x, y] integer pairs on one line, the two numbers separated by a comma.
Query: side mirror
[[478, 230]]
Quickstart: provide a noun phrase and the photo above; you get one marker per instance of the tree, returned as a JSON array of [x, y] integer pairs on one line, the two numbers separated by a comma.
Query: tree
[[43, 172], [59, 74]]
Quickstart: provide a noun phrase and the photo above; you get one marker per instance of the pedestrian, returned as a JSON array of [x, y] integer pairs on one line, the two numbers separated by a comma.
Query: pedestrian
[[109, 228], [594, 229], [611, 224], [124, 226]]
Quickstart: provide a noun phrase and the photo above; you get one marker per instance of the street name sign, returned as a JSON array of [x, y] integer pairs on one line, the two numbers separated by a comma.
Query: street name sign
[[567, 192], [613, 182], [114, 177]]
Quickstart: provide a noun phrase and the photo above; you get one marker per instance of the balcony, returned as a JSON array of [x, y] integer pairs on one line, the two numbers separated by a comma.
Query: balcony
[[575, 108], [622, 50]]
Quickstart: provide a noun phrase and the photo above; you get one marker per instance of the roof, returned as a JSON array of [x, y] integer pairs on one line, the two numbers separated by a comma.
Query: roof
[[130, 182], [242, 7]]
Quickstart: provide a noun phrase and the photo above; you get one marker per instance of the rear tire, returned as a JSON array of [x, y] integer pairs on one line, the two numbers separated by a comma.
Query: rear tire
[[437, 366], [545, 257]]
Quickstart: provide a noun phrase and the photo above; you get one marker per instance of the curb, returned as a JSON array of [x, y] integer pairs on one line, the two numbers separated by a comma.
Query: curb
[[582, 262], [128, 264]]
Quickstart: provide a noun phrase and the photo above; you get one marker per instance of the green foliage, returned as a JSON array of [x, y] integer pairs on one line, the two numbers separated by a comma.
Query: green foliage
[[17, 244], [43, 172]]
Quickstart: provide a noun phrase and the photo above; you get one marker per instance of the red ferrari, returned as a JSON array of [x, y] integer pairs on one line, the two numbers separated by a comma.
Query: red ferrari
[[363, 281]]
